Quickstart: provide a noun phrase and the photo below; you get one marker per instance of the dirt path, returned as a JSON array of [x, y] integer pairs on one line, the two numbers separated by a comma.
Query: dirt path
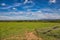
[[31, 36], [28, 36]]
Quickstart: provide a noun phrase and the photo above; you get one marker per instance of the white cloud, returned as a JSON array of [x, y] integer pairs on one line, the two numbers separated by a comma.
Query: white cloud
[[10, 6], [28, 1], [25, 1], [3, 4], [14, 8], [29, 15], [6, 7], [17, 4], [41, 15], [52, 1], [15, 18]]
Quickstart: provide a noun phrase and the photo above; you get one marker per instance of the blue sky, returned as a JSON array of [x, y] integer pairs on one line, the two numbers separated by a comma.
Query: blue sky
[[29, 9]]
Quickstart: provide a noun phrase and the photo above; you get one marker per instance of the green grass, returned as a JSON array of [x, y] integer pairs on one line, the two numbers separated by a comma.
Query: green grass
[[48, 33], [8, 28]]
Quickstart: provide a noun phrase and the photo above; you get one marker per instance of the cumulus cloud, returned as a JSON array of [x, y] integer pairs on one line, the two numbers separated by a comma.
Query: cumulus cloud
[[15, 18], [52, 1], [29, 15], [3, 4]]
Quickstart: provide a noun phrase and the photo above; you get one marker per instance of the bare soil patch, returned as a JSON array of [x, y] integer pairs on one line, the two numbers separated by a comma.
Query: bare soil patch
[[32, 36], [28, 36]]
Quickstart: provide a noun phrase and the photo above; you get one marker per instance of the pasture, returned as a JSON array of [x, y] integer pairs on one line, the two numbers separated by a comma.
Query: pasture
[[19, 30]]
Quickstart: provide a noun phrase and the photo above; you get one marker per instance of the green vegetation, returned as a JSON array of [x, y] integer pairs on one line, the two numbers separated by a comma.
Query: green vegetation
[[14, 28], [49, 33]]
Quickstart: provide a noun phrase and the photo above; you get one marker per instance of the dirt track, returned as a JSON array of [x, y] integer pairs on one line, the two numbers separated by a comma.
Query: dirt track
[[28, 36], [31, 36]]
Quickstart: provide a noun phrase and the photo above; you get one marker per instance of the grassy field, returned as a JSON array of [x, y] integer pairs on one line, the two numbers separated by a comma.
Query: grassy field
[[39, 28]]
